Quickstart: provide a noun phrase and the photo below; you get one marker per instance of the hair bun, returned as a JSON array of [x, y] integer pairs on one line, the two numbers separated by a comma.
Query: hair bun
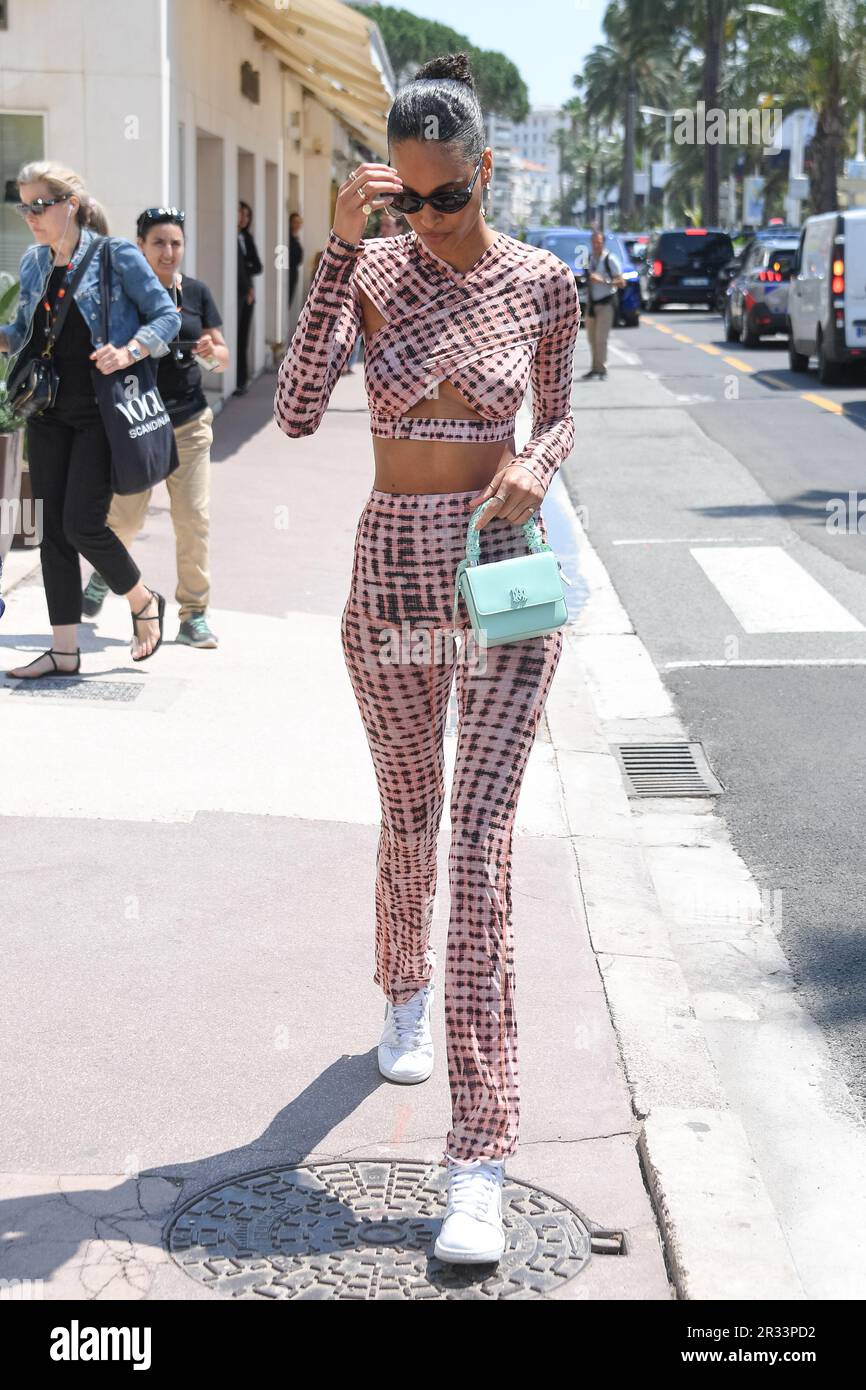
[[455, 66]]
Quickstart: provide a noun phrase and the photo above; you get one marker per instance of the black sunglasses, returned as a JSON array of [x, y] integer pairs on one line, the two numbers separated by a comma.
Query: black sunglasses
[[451, 201], [38, 206]]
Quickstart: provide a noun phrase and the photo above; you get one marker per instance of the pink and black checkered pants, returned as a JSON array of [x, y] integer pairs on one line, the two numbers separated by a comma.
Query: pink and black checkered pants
[[407, 547]]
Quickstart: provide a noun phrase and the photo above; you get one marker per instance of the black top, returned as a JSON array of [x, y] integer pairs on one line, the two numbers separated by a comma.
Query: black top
[[179, 374], [72, 348], [296, 256], [248, 261]]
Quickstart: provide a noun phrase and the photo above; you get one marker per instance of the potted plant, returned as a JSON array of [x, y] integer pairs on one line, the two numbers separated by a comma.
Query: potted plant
[[14, 475]]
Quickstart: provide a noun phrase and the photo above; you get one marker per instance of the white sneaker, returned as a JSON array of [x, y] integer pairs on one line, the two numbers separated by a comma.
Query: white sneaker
[[406, 1044], [472, 1231]]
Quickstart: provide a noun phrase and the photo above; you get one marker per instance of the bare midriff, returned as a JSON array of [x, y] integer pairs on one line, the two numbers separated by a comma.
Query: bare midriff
[[433, 465]]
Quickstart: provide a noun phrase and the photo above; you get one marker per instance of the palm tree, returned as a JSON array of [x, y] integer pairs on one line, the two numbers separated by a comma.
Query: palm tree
[[634, 65], [818, 50]]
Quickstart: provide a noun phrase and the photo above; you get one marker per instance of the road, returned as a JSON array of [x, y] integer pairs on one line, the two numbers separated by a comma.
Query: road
[[704, 478]]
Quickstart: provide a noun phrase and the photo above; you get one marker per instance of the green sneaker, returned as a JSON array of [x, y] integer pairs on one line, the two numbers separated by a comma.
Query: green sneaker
[[94, 595], [194, 632]]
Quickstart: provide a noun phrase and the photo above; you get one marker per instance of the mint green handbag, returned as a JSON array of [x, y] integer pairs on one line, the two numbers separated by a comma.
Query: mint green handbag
[[508, 600]]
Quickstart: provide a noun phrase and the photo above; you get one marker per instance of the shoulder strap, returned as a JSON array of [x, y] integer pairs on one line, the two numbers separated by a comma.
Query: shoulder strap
[[105, 287], [73, 285]]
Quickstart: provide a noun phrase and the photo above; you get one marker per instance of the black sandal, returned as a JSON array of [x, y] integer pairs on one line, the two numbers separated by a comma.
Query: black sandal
[[159, 614], [56, 672]]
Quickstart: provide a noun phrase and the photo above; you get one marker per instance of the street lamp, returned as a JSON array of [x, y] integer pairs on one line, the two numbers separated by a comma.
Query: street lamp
[[668, 117]]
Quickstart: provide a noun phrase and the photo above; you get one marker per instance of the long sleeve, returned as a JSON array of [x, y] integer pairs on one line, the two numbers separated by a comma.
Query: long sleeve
[[326, 332], [552, 437], [159, 317]]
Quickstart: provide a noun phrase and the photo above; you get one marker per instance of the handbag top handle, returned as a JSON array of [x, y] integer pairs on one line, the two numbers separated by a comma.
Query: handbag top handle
[[529, 528]]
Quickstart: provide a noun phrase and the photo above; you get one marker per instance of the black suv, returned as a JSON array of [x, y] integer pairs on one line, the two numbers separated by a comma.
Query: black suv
[[683, 266]]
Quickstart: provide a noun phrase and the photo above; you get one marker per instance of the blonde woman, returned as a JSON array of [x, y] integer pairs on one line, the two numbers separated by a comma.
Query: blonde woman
[[67, 447]]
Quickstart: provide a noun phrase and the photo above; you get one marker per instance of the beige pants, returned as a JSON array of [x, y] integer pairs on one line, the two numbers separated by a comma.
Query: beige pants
[[598, 325], [189, 493]]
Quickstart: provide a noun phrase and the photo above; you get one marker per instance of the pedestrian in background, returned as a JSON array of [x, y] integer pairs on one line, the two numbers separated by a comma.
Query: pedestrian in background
[[162, 240], [390, 225], [67, 446], [605, 278], [296, 255], [249, 265]]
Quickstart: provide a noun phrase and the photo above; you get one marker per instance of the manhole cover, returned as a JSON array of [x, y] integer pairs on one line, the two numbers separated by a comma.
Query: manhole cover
[[366, 1230], [74, 689]]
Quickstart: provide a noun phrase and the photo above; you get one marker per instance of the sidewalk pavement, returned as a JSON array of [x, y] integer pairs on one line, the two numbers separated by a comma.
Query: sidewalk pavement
[[187, 930]]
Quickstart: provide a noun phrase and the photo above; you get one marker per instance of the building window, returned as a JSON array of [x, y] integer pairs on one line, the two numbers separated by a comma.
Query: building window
[[22, 138], [250, 82]]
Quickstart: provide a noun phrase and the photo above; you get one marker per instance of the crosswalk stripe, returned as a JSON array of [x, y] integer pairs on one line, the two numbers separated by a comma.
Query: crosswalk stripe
[[768, 591]]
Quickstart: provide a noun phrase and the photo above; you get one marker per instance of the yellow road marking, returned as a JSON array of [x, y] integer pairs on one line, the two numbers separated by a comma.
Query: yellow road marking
[[824, 402]]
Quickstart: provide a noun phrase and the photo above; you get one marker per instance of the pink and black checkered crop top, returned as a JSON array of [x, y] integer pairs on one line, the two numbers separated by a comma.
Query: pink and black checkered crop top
[[511, 318]]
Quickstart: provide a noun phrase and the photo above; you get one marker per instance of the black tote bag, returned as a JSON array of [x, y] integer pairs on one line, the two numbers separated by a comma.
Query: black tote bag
[[143, 446]]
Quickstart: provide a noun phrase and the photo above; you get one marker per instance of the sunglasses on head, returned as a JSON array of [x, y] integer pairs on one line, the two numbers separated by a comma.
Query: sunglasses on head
[[38, 206], [151, 215], [451, 201]]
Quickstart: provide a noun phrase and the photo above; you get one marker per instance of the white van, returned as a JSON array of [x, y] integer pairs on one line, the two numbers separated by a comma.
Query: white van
[[827, 294]]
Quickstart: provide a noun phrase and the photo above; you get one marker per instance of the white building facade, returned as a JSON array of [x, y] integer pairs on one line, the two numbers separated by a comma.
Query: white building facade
[[197, 104]]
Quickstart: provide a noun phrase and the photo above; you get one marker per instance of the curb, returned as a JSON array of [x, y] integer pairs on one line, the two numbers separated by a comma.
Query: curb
[[722, 1235]]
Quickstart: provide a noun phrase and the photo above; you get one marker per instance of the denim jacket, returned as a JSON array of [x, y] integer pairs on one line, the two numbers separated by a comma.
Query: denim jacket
[[140, 308]]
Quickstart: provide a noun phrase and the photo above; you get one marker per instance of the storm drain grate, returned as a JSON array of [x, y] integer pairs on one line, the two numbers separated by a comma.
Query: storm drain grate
[[365, 1229], [666, 769], [73, 689]]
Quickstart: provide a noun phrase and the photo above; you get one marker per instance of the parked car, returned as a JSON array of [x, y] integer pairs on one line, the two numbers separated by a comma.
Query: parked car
[[756, 302], [533, 234], [827, 294], [684, 265], [637, 244], [629, 303], [574, 246], [744, 241]]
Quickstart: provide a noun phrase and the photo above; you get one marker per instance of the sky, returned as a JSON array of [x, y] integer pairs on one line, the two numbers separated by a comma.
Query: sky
[[547, 40]]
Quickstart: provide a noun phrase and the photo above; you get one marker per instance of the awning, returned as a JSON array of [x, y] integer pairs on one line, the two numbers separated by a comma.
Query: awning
[[329, 48]]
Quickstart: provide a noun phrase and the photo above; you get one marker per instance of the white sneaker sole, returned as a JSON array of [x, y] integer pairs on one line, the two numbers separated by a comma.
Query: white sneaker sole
[[470, 1257], [404, 1080]]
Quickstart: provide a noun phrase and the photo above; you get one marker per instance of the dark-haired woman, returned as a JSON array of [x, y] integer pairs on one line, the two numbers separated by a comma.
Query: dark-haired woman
[[249, 265], [199, 339], [67, 447], [456, 321]]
